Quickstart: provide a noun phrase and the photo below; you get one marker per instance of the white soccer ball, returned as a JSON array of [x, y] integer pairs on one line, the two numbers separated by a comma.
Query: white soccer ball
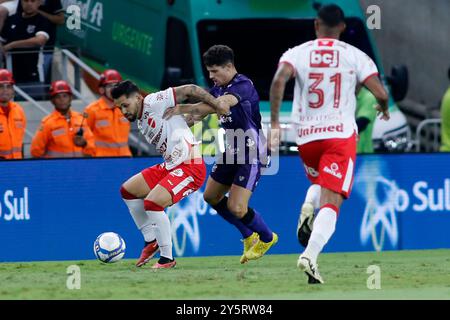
[[109, 247]]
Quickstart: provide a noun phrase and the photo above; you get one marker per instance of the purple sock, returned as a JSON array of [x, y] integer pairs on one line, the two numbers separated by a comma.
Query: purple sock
[[222, 210], [255, 222]]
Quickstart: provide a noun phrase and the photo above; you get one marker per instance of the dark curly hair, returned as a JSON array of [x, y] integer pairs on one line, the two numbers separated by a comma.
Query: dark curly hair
[[125, 87], [218, 55]]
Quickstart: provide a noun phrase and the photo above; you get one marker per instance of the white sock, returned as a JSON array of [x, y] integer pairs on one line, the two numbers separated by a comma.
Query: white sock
[[313, 195], [161, 226], [141, 219], [323, 229]]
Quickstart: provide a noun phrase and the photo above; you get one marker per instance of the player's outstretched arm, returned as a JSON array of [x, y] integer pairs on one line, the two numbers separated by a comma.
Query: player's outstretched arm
[[226, 102], [283, 74], [192, 91], [199, 110], [376, 87]]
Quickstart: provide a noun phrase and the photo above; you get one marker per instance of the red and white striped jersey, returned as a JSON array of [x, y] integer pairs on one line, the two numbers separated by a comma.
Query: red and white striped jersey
[[172, 137], [326, 74]]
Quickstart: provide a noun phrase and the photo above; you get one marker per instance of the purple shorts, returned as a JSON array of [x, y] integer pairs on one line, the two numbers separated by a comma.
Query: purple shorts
[[243, 175]]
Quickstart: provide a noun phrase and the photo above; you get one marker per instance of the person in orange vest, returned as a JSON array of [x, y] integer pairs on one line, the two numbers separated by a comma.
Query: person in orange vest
[[63, 133], [12, 119], [106, 121]]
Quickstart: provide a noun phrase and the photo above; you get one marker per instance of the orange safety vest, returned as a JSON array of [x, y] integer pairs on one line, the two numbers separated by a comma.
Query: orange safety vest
[[12, 130], [54, 137], [110, 129]]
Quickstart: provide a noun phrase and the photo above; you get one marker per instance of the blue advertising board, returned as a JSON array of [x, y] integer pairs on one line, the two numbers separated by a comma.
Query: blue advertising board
[[55, 209]]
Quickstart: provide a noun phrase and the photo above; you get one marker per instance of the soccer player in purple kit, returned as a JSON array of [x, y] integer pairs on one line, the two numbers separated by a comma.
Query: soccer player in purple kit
[[238, 169]]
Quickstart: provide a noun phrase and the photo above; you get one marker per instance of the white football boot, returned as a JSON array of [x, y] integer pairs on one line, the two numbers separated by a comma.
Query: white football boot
[[311, 269]]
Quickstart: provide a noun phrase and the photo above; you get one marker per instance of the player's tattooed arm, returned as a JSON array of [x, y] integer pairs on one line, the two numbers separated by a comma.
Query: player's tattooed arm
[[194, 92], [226, 102], [220, 105], [283, 74], [199, 110]]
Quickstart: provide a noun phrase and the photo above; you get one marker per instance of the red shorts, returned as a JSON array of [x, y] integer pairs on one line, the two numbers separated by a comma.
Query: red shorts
[[179, 181], [330, 163]]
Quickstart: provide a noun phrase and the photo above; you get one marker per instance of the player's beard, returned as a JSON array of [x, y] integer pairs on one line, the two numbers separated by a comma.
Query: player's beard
[[132, 118]]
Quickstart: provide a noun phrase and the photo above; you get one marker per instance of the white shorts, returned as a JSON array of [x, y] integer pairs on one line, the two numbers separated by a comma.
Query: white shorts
[[11, 6]]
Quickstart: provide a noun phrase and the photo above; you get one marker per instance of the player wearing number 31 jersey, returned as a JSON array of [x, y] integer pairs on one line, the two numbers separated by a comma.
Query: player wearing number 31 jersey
[[326, 73]]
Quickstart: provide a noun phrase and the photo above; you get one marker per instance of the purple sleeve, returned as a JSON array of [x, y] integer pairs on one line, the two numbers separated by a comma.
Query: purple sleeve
[[241, 90], [213, 91]]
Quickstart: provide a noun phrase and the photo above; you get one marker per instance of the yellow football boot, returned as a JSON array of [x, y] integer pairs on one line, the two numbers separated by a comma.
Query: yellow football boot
[[260, 248], [248, 244]]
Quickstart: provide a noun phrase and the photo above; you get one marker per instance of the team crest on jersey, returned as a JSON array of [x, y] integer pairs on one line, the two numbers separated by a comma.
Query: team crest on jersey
[[31, 28], [177, 173], [324, 59], [159, 97]]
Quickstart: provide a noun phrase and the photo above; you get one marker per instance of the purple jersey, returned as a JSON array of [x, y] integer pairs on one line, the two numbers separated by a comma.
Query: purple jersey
[[245, 116]]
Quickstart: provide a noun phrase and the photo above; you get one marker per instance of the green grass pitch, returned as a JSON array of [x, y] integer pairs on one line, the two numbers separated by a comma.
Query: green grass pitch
[[404, 275]]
